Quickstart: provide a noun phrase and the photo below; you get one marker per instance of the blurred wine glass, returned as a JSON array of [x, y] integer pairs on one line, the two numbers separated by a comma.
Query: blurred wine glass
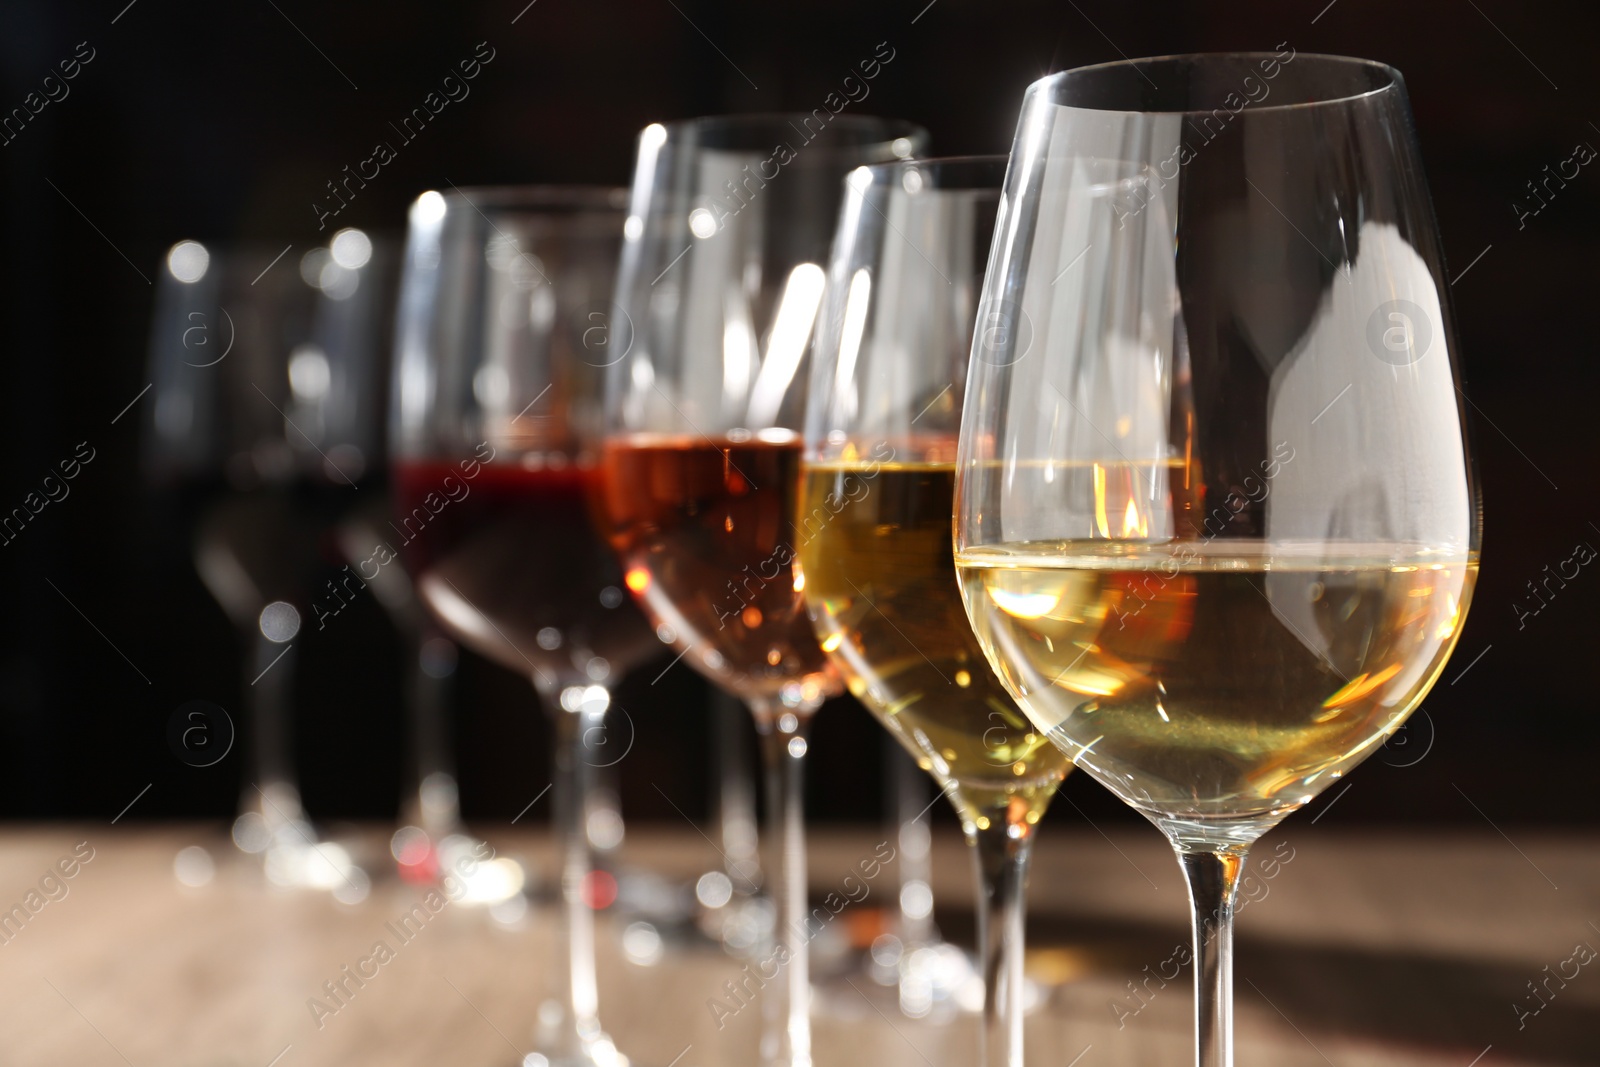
[[266, 381], [494, 414]]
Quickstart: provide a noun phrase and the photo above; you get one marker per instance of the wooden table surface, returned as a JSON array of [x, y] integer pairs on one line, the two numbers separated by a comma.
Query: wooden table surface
[[1401, 948]]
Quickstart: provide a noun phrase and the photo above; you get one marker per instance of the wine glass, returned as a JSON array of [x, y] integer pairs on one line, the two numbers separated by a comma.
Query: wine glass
[[718, 289], [494, 409], [264, 425], [879, 472], [1215, 521]]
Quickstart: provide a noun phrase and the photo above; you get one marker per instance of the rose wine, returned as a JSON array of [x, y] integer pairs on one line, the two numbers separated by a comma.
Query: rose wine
[[880, 582], [507, 559], [1214, 681], [705, 530]]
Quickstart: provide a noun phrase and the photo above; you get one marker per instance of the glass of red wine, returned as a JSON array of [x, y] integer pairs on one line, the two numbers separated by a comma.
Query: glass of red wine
[[493, 415], [262, 435], [717, 292]]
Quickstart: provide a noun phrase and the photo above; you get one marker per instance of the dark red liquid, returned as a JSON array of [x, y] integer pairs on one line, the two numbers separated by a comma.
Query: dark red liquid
[[509, 563]]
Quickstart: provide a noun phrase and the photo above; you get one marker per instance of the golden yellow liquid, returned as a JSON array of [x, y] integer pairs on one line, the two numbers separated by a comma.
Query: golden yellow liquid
[[1209, 682], [880, 585]]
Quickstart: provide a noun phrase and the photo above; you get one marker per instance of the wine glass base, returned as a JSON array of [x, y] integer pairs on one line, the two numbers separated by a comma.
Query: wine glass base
[[927, 982], [643, 895], [706, 913], [294, 856], [739, 923], [934, 983], [466, 866]]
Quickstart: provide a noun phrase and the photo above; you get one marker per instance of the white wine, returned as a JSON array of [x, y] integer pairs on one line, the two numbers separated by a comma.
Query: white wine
[[1216, 681], [880, 584]]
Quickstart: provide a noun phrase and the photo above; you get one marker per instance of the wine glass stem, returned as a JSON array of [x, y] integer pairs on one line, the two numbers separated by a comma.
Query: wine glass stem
[[573, 778], [439, 813], [786, 1036], [274, 791], [908, 802], [736, 801], [1001, 855], [1213, 878]]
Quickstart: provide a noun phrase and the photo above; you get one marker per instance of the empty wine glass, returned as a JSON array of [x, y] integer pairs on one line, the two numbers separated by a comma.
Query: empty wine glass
[[1215, 521], [717, 293]]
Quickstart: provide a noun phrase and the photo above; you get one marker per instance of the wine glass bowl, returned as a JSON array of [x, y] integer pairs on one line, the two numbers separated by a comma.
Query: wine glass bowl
[[1216, 521], [703, 534], [879, 480], [717, 295], [495, 404]]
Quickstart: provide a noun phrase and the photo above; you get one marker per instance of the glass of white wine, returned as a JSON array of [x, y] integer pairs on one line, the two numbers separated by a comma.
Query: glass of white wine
[[1216, 525], [877, 492]]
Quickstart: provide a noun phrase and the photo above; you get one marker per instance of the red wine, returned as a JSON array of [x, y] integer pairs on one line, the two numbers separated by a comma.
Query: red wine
[[705, 531], [508, 561]]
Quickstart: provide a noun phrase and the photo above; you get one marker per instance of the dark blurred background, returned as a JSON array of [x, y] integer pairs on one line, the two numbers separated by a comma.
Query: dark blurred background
[[223, 122]]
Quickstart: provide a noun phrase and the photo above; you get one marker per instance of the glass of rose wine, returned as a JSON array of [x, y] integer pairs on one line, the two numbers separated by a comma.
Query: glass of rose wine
[[717, 294], [878, 489], [1216, 525], [494, 414]]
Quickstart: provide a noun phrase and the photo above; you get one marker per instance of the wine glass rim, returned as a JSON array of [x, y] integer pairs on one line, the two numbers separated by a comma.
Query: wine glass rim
[[957, 166], [558, 198], [1394, 79], [752, 125]]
